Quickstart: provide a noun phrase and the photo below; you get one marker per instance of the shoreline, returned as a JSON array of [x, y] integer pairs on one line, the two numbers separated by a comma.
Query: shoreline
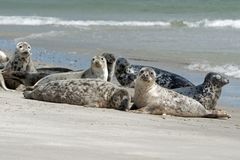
[[36, 130]]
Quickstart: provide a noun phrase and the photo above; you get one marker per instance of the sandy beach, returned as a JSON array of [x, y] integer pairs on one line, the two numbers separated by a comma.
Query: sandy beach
[[40, 130]]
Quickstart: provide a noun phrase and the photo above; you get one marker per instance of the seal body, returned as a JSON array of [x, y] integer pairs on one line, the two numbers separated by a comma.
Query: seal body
[[208, 92], [98, 70], [86, 92], [151, 98], [21, 61], [127, 73], [14, 79], [111, 60], [3, 57]]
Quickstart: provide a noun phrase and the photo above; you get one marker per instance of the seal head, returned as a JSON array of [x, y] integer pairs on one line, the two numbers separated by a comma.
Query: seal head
[[23, 49]]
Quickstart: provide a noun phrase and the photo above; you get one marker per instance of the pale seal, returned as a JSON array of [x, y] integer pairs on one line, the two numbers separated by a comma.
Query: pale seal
[[2, 82], [98, 70], [127, 73], [84, 92], [21, 60], [3, 58], [111, 60], [151, 98], [208, 92]]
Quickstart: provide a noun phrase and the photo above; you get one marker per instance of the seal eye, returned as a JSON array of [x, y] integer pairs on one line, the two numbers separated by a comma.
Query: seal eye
[[141, 72], [102, 59], [93, 59], [20, 46], [29, 47], [151, 73]]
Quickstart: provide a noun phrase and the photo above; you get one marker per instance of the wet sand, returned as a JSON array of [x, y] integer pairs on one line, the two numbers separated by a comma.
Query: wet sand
[[40, 130]]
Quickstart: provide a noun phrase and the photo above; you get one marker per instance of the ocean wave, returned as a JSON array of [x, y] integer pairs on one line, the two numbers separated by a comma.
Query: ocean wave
[[230, 70], [40, 35], [39, 21]]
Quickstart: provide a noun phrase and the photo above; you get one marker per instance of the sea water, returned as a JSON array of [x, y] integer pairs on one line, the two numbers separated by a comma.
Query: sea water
[[190, 37]]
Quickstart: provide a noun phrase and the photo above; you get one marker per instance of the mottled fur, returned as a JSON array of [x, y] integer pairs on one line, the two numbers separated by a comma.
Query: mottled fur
[[86, 92], [127, 73], [151, 98], [111, 60], [208, 92], [21, 60]]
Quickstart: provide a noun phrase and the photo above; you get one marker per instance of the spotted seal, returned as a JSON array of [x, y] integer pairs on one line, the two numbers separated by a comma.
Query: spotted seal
[[21, 60], [111, 59], [208, 92], [97, 70], [151, 98], [127, 73], [85, 92]]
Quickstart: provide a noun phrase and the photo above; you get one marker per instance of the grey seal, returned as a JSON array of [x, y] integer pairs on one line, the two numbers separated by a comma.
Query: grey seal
[[21, 60], [85, 92], [127, 73], [98, 70], [208, 92], [151, 98]]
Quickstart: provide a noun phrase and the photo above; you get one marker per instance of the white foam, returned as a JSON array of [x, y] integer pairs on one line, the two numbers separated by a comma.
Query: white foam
[[231, 70], [40, 35], [39, 21]]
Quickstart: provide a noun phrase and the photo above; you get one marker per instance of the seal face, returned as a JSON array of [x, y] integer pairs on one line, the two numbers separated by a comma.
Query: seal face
[[127, 73], [86, 92], [151, 98], [21, 61], [98, 69], [111, 60], [208, 92]]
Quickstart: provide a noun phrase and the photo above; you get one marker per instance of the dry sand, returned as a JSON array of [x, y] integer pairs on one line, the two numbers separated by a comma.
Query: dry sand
[[34, 130]]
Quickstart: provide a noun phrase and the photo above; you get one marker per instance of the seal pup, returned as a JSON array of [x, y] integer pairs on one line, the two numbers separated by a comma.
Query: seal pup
[[21, 60], [127, 73], [151, 98], [98, 70], [86, 92], [110, 64], [208, 92]]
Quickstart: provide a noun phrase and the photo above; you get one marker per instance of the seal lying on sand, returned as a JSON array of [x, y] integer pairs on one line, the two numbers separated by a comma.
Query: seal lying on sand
[[52, 70], [16, 79], [2, 82], [97, 70], [21, 61], [208, 92], [86, 92], [110, 64], [127, 73], [151, 98]]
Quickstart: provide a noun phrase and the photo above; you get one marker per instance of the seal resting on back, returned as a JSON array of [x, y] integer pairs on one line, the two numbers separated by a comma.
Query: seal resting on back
[[85, 92], [151, 98], [98, 70], [208, 92], [127, 73]]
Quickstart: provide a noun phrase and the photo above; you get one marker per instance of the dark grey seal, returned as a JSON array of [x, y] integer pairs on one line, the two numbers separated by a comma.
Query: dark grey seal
[[127, 73], [208, 92]]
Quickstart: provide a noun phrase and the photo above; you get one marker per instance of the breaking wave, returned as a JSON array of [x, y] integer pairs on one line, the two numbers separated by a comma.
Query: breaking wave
[[40, 21], [230, 70]]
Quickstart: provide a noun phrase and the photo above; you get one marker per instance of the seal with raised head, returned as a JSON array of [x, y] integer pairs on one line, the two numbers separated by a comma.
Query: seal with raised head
[[85, 92], [208, 92], [151, 98], [98, 70], [127, 73], [110, 58], [21, 60]]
